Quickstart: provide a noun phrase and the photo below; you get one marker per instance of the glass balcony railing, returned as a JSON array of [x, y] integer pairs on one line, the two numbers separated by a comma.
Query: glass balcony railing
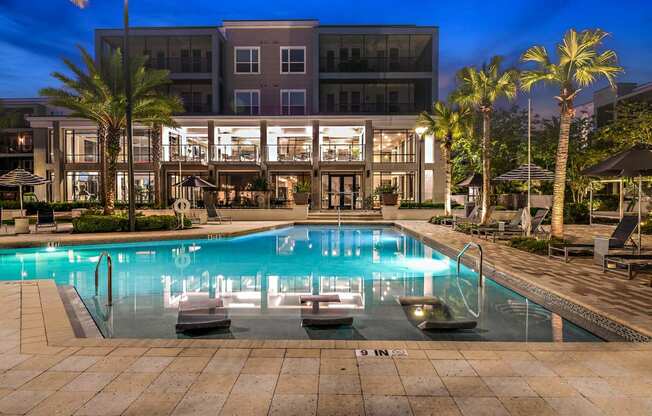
[[242, 153], [182, 64], [374, 64], [341, 152], [300, 152], [326, 107], [82, 158], [185, 153], [390, 157]]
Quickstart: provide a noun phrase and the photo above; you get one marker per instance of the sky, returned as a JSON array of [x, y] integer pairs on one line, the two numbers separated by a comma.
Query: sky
[[36, 34]]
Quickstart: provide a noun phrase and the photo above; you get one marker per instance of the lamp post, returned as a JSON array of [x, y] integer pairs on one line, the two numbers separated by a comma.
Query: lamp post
[[420, 131]]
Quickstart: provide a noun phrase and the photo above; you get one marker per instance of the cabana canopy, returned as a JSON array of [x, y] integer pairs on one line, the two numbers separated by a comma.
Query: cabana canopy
[[537, 173]]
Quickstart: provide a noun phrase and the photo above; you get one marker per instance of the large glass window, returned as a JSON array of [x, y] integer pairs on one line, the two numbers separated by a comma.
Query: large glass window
[[16, 142], [247, 102], [377, 97], [194, 195], [237, 144], [81, 146], [142, 147], [394, 146], [283, 186], [247, 60], [341, 143], [289, 144], [82, 186], [404, 181], [293, 102], [293, 60], [144, 186]]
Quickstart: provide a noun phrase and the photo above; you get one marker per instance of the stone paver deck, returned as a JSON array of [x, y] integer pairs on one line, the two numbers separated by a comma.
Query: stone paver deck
[[45, 371]]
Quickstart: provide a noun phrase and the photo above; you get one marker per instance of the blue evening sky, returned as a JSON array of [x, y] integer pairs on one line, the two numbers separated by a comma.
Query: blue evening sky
[[36, 34]]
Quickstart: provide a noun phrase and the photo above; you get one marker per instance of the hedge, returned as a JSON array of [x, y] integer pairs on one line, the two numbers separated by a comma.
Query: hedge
[[425, 205], [33, 206], [532, 245], [96, 223]]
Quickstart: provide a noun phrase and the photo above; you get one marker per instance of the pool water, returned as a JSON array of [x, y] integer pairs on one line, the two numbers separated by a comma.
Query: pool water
[[260, 278]]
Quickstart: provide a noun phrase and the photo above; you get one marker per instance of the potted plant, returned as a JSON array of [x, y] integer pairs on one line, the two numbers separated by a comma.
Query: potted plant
[[259, 188], [388, 194], [301, 192]]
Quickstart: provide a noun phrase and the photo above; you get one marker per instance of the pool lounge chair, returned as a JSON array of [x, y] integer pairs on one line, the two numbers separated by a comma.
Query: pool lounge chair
[[618, 240], [449, 219], [315, 316], [535, 227], [473, 217], [627, 264], [513, 225], [214, 214], [430, 310], [202, 315], [45, 219], [471, 222]]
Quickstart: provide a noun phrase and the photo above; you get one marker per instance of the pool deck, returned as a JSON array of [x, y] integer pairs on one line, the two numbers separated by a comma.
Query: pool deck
[[45, 370]]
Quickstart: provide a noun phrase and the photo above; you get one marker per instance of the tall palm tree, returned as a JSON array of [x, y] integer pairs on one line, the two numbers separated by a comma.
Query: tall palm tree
[[481, 88], [579, 65], [447, 125], [98, 94]]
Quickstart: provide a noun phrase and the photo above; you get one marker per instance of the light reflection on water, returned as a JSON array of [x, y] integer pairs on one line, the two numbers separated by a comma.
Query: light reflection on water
[[261, 277]]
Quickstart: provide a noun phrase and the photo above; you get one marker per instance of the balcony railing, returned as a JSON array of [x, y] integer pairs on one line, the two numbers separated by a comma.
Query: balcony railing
[[16, 148], [341, 152], [370, 108], [195, 107], [385, 64], [290, 152], [83, 158], [241, 153], [201, 65], [185, 153], [139, 156], [388, 157]]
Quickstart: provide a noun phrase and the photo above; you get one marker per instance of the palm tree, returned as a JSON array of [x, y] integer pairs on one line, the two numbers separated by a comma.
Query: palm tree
[[98, 94], [447, 125], [579, 65], [481, 88]]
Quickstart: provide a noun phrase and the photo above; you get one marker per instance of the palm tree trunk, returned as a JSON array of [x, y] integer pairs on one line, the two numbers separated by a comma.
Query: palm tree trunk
[[486, 164], [101, 138], [559, 187], [156, 163], [448, 174], [113, 136]]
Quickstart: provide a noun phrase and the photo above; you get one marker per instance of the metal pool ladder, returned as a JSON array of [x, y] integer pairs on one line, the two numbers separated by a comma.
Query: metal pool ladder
[[461, 254], [109, 279]]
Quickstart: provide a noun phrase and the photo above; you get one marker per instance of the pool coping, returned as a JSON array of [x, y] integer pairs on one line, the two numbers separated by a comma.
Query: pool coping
[[596, 321]]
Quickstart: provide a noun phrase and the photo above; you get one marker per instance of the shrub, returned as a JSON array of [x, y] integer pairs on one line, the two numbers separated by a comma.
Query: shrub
[[97, 223], [532, 245], [156, 222], [576, 213], [302, 187], [386, 189], [417, 205]]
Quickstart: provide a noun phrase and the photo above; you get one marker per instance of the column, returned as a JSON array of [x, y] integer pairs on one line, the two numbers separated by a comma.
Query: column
[[262, 151], [40, 154], [316, 174], [211, 140], [58, 159], [368, 159]]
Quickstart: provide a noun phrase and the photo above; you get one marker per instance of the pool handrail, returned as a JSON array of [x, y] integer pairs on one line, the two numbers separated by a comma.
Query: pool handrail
[[480, 277], [109, 282]]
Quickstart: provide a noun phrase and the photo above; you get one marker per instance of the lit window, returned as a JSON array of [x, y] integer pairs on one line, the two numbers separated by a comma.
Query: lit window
[[247, 60], [293, 102], [293, 60], [247, 102]]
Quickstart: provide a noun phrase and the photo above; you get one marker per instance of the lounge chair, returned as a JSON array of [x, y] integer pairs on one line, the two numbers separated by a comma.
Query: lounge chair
[[45, 219], [202, 315], [627, 264], [319, 317], [618, 240], [433, 314], [513, 225], [214, 214], [535, 227], [450, 219], [472, 221]]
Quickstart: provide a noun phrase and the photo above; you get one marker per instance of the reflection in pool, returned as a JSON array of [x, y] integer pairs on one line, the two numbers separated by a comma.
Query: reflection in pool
[[260, 279]]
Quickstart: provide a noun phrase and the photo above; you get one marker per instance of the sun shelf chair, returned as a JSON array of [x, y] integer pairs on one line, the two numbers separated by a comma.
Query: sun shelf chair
[[618, 240], [45, 219], [318, 317], [202, 315]]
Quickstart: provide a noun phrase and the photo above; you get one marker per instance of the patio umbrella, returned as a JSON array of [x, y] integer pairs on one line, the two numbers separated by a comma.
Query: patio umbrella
[[630, 163], [21, 177], [195, 182], [473, 180]]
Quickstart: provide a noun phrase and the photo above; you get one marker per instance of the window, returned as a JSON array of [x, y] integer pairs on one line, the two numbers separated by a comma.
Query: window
[[247, 60], [82, 186], [81, 146], [293, 60], [247, 102], [144, 186], [293, 102]]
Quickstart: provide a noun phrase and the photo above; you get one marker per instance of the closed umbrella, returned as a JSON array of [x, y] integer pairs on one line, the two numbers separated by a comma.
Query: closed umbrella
[[21, 177], [630, 163]]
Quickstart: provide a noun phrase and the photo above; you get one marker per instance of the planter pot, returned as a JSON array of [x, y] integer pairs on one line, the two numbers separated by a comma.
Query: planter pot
[[390, 199], [21, 225], [301, 198]]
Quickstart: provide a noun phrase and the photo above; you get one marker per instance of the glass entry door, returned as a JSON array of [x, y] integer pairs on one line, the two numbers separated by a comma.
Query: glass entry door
[[342, 191]]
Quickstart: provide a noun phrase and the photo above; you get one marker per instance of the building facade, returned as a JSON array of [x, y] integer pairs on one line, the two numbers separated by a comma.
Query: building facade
[[287, 101]]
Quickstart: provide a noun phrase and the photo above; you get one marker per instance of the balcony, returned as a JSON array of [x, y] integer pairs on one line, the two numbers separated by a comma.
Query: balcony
[[185, 153], [236, 153], [362, 64], [390, 157], [190, 65], [82, 158], [196, 107], [300, 152], [139, 156], [341, 153], [370, 108]]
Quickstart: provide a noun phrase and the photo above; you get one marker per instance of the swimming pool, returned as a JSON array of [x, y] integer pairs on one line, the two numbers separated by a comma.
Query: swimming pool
[[260, 278]]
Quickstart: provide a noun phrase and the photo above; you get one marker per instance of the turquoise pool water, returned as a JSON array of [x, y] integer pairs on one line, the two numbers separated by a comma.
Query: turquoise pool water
[[261, 276]]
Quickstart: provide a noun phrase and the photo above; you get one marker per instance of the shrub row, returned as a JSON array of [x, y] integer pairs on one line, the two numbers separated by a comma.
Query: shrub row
[[532, 245], [96, 223], [425, 205], [32, 206]]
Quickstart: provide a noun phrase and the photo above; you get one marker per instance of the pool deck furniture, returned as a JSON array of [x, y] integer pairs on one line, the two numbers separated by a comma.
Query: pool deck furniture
[[493, 229], [472, 219], [536, 227], [45, 219], [214, 214], [435, 324], [618, 240], [628, 264], [202, 314], [316, 316]]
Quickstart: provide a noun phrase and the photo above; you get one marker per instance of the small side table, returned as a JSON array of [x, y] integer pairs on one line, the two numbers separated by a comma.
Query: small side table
[[600, 249], [21, 225]]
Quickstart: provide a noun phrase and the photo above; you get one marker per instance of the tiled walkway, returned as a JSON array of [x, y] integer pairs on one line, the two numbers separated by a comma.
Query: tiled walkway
[[44, 371]]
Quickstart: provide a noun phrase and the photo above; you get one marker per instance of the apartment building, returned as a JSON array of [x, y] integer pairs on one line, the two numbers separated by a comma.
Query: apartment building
[[290, 101]]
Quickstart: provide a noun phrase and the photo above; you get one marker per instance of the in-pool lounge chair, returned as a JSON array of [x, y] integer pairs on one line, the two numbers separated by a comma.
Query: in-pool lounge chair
[[628, 264], [432, 313], [201, 315], [513, 225], [214, 214], [45, 219], [319, 317], [618, 240]]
